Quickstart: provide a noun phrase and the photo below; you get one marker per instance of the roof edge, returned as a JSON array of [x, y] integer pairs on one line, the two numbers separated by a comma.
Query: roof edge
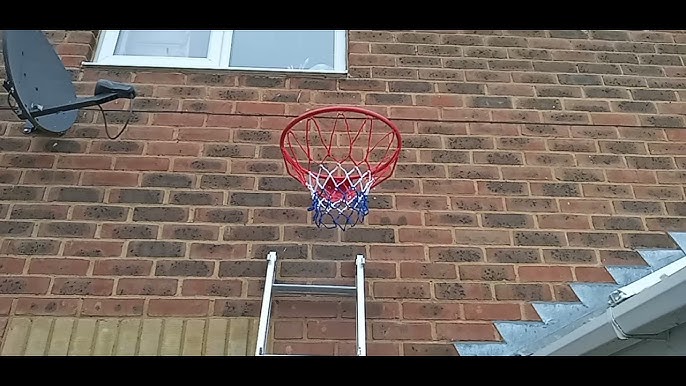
[[648, 307]]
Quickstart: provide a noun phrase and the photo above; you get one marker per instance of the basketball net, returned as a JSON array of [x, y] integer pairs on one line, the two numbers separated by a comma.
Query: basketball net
[[340, 184]]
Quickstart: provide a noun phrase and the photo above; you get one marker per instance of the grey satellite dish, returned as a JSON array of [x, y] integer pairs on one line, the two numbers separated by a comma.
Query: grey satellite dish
[[42, 88]]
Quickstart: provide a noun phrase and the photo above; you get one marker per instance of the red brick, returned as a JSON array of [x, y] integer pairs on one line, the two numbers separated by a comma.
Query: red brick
[[178, 307], [492, 311], [413, 270], [141, 163], [174, 148], [107, 178], [465, 331], [396, 252], [11, 265], [593, 274], [305, 308], [208, 287], [426, 236], [122, 267], [5, 306], [93, 248], [112, 307], [305, 348], [55, 266], [331, 329], [401, 331], [47, 306], [431, 311], [544, 274], [289, 330], [402, 290]]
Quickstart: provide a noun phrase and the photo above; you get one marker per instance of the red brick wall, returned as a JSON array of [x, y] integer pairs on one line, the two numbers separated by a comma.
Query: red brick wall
[[532, 159]]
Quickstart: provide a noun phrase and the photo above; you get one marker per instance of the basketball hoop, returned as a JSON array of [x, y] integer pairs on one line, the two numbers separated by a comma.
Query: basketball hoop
[[339, 155]]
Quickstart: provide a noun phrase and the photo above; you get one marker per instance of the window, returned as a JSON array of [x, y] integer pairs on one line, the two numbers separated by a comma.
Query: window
[[269, 50]]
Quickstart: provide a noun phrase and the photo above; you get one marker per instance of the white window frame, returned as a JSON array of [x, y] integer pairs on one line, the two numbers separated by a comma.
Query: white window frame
[[217, 58]]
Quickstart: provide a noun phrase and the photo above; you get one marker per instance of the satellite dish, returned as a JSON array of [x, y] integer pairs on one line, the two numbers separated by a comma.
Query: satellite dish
[[42, 88]]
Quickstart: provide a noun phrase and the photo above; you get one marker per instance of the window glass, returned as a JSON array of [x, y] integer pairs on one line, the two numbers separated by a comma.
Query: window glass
[[290, 49], [165, 43]]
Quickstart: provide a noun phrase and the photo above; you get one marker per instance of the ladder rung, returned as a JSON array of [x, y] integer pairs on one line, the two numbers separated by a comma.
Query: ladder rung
[[314, 289]]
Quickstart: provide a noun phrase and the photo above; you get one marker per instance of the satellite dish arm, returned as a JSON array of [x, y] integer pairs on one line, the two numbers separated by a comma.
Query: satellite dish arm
[[105, 91]]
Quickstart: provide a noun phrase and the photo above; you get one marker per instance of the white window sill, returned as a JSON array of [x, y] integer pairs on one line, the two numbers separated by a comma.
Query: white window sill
[[187, 68]]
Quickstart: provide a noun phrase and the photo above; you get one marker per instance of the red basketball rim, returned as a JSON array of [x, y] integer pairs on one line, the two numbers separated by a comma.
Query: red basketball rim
[[342, 109]]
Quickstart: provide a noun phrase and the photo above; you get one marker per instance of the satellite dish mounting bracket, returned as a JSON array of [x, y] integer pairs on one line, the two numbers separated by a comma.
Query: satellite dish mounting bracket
[[41, 86]]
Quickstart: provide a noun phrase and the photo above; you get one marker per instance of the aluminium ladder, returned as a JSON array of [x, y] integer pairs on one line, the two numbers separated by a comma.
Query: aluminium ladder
[[271, 288]]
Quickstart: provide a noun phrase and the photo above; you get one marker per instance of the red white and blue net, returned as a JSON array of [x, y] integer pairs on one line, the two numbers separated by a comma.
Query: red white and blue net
[[340, 154]]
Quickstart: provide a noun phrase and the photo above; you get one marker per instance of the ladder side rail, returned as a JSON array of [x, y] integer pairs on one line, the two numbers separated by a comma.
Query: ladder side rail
[[265, 312], [360, 314]]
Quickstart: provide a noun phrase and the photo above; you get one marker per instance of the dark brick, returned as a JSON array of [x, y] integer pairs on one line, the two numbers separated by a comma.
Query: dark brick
[[660, 59], [191, 232], [140, 286], [280, 184], [622, 147], [161, 213], [31, 247], [580, 175], [639, 207], [470, 143], [642, 70], [538, 238], [569, 256], [184, 268], [102, 213], [617, 223], [24, 285], [21, 193], [592, 240], [662, 121], [224, 216], [136, 196], [196, 198], [558, 91], [654, 95], [489, 102], [284, 251], [449, 156], [225, 182], [254, 199], [568, 34], [227, 151], [624, 81], [242, 268], [310, 269], [15, 228], [167, 180], [369, 235], [252, 233], [14, 144], [156, 249], [610, 35], [651, 163], [67, 229], [129, 231], [561, 190], [335, 252], [75, 194], [466, 64], [463, 88], [606, 93], [473, 172], [466, 291], [513, 255], [647, 240], [388, 99], [538, 104], [506, 188], [237, 308], [585, 80], [39, 212], [506, 220], [455, 255], [83, 286]]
